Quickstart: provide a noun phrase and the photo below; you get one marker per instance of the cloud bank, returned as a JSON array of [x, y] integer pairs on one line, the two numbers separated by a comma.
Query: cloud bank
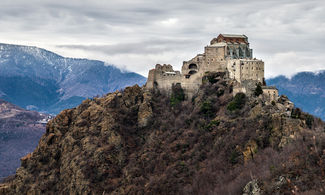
[[136, 34]]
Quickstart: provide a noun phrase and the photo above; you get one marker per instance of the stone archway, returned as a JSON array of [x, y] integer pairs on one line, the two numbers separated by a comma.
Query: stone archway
[[192, 66], [192, 72]]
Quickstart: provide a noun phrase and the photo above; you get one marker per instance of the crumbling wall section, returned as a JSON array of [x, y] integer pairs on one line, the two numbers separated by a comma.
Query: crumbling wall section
[[246, 69], [270, 93]]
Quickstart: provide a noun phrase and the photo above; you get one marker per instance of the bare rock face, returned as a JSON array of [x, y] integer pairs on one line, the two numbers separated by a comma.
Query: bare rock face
[[250, 150], [145, 110], [253, 188], [140, 142]]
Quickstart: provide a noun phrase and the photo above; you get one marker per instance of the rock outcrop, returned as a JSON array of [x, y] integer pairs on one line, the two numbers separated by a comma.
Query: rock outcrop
[[142, 142], [145, 110], [253, 188]]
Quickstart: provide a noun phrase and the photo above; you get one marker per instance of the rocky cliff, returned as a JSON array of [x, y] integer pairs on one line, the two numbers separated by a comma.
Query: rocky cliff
[[142, 142]]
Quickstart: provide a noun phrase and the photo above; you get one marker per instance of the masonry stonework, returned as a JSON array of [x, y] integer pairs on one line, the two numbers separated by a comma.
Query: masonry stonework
[[227, 53]]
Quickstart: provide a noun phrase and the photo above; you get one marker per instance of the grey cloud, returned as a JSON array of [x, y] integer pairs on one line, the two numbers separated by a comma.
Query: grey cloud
[[164, 29], [145, 47]]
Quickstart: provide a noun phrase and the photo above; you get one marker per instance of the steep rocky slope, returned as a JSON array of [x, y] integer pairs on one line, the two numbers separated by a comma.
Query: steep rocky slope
[[20, 132], [306, 89], [41, 80], [141, 142]]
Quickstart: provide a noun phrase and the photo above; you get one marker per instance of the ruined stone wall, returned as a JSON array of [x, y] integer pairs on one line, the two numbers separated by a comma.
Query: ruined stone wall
[[246, 69], [191, 85], [215, 58], [163, 77], [239, 89], [151, 79], [194, 65], [270, 93], [165, 81]]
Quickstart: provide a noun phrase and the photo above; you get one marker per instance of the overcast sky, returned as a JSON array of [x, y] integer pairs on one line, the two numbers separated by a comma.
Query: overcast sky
[[289, 35]]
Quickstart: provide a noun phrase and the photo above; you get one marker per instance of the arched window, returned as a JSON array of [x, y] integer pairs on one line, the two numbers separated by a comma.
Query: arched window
[[192, 72], [192, 66]]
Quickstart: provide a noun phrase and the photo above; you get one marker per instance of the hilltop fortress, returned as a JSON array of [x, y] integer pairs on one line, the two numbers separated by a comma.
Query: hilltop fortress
[[227, 53]]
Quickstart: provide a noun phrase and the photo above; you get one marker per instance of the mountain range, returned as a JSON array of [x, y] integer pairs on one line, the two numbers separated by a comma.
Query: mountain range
[[305, 89], [37, 79]]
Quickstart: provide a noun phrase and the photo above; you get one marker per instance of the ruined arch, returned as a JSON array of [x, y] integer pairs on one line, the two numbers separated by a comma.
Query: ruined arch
[[192, 72], [192, 66], [155, 84]]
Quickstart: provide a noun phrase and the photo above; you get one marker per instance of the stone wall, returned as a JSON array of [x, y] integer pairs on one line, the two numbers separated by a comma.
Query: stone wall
[[163, 77], [270, 93], [213, 59], [246, 69]]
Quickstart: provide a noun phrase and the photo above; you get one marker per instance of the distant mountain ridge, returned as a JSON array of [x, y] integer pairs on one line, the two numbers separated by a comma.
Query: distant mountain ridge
[[305, 89], [35, 78]]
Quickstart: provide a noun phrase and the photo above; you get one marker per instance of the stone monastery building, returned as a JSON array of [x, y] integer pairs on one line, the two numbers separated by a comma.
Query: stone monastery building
[[227, 53]]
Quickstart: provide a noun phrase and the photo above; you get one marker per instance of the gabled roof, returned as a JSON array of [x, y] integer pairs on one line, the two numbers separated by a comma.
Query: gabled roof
[[233, 36]]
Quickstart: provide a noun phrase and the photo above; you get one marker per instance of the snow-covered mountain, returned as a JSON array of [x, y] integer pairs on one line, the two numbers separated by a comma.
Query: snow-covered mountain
[[35, 78]]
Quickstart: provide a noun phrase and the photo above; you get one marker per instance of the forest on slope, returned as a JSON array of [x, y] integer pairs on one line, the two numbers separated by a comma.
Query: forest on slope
[[139, 141]]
